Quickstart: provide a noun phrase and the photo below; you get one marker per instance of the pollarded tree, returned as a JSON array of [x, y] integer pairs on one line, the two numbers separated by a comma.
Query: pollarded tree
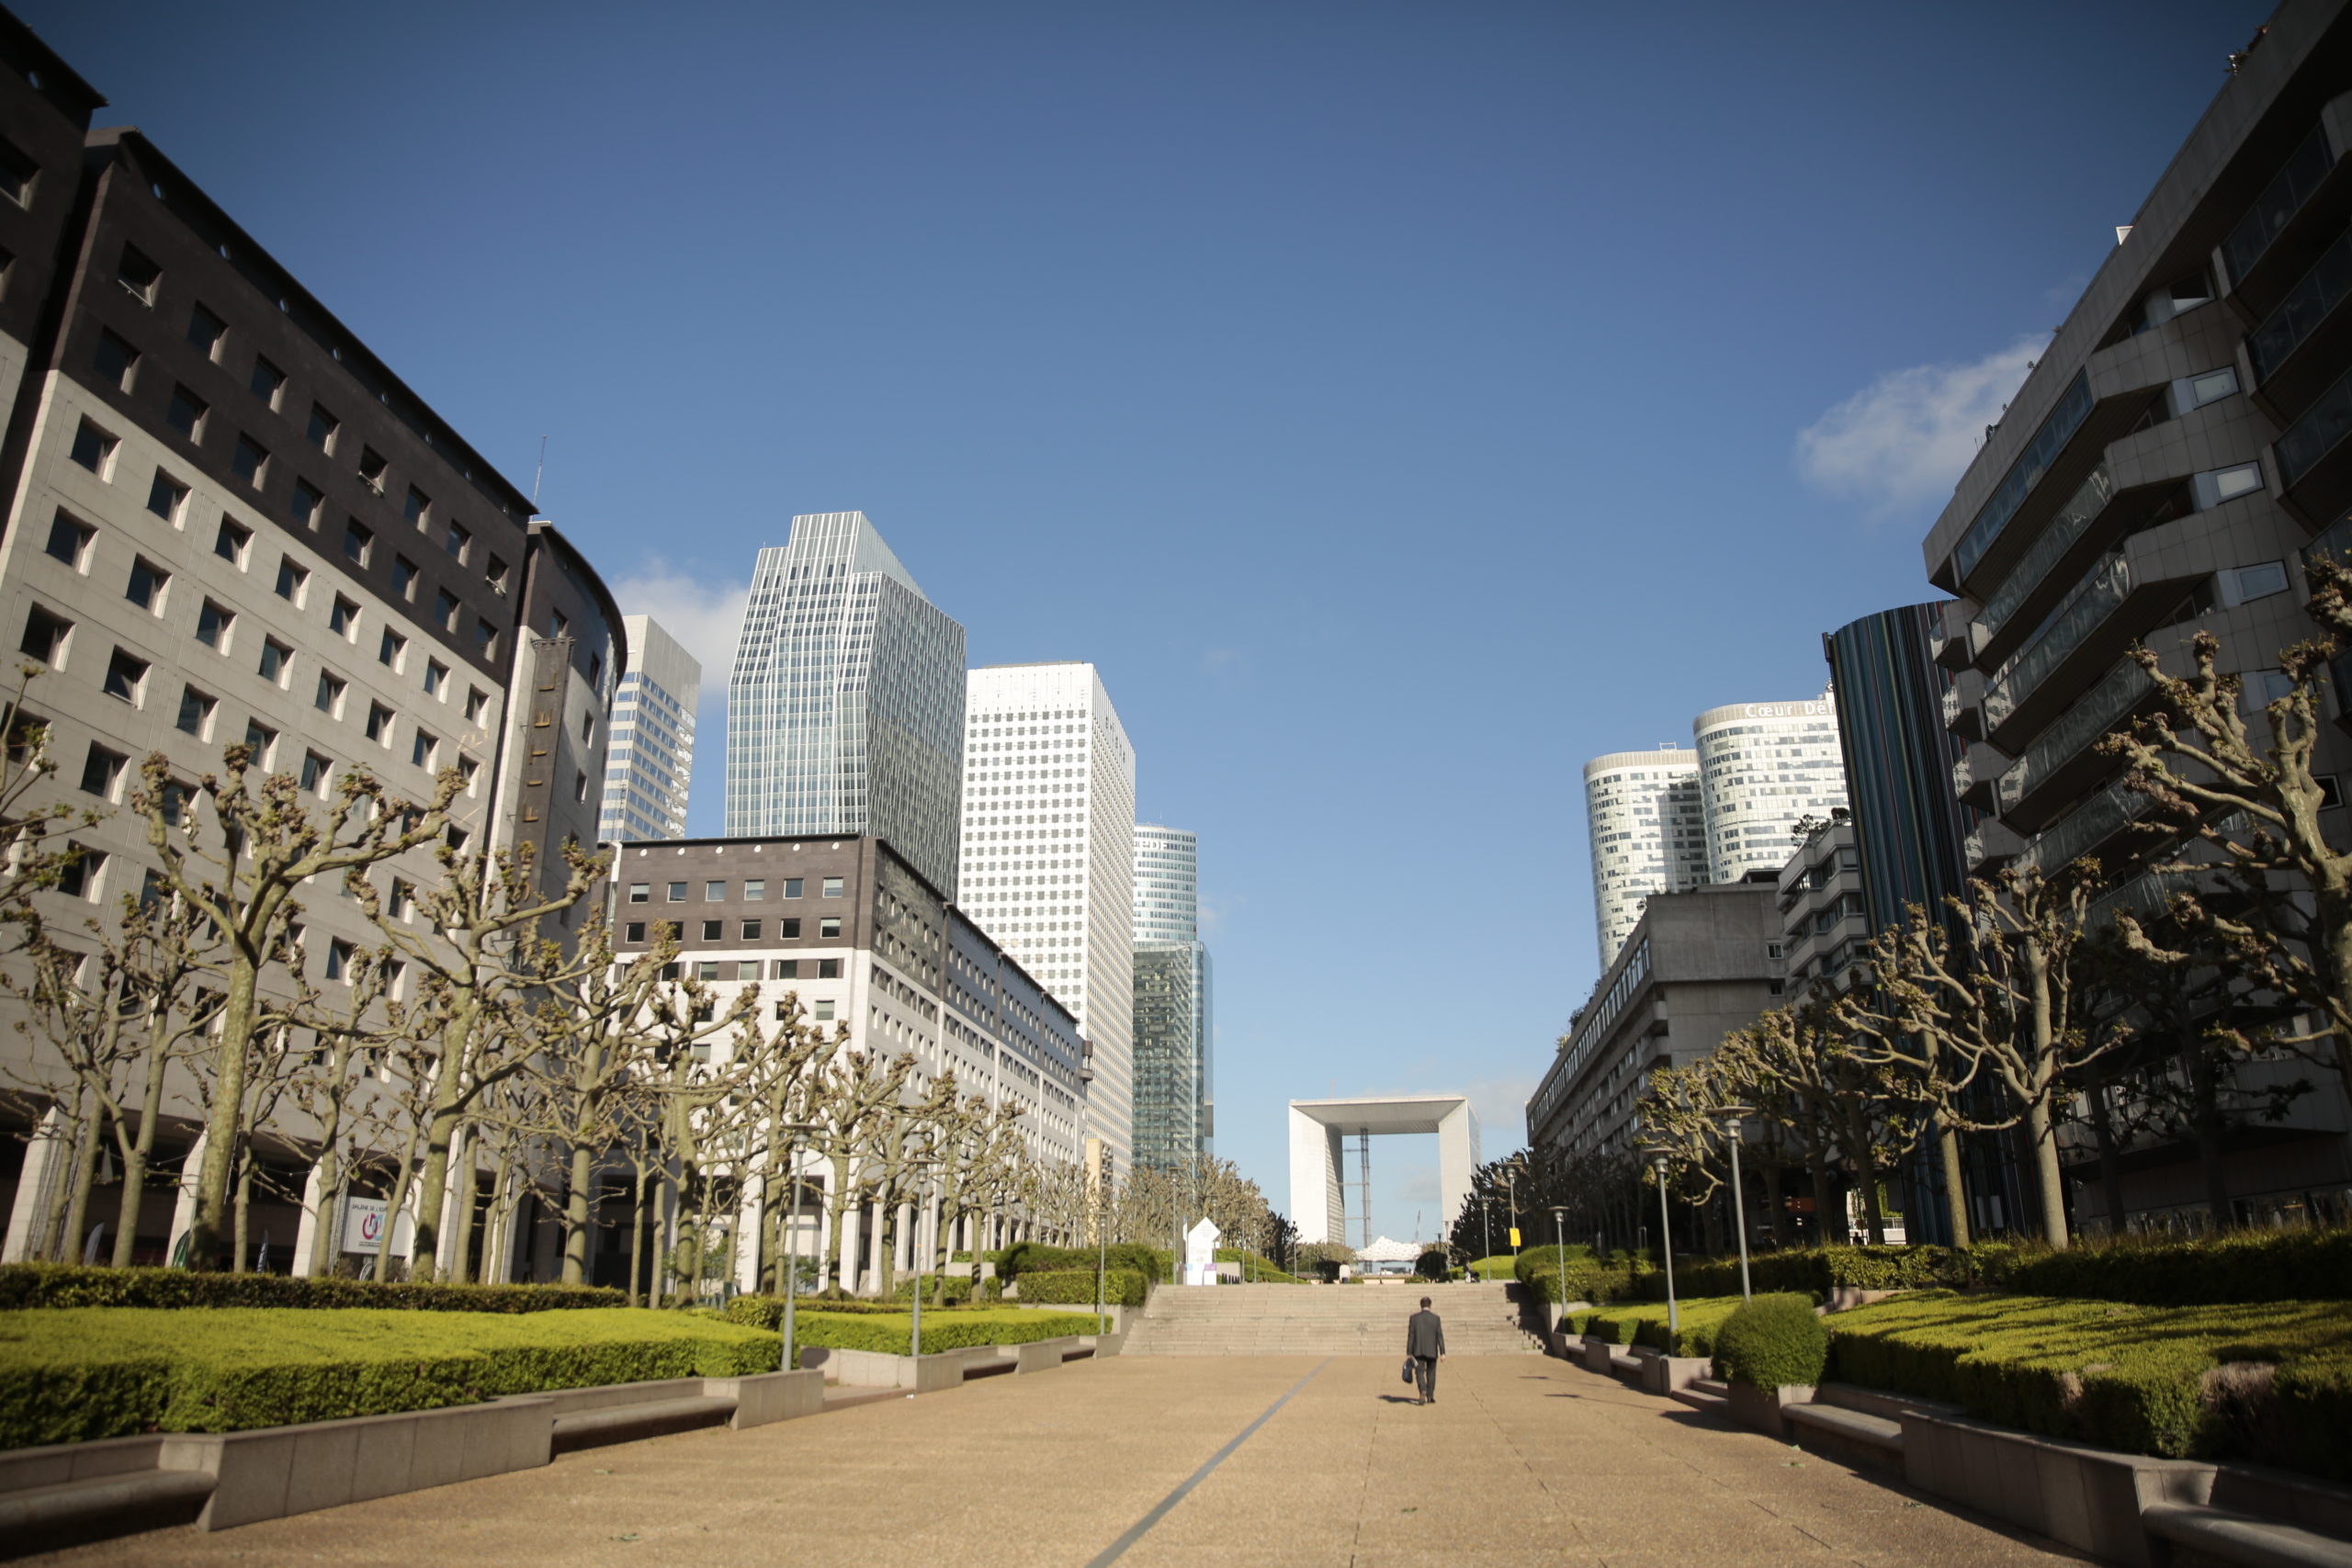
[[244, 877], [856, 1090]]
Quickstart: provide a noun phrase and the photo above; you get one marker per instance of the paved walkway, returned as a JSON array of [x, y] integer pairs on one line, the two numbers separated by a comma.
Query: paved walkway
[[1522, 1460]]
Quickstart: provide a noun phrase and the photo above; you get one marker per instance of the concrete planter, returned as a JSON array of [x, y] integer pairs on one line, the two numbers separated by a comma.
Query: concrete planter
[[1596, 1353], [2087, 1498], [1662, 1373], [873, 1369], [1041, 1355], [769, 1396], [1109, 1345], [1761, 1407]]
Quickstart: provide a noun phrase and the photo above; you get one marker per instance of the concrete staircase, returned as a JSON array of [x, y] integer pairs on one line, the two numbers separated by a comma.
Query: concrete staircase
[[1481, 1319]]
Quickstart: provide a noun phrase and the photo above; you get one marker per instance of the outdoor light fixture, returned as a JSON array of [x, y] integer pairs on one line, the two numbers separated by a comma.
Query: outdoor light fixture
[[1732, 1115], [1666, 1250]]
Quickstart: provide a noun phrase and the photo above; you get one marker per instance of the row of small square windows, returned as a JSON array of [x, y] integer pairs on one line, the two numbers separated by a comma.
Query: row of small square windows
[[755, 890], [828, 929]]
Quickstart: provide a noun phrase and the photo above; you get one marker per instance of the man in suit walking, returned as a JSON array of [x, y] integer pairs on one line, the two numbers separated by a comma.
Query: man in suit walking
[[1425, 1343]]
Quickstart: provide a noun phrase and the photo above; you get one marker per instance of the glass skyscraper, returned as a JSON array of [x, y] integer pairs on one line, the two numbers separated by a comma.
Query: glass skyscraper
[[845, 710], [1173, 1027], [651, 757], [1762, 767]]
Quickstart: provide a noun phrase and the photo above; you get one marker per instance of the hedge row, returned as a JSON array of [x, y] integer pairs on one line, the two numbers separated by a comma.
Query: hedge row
[[28, 1285], [1120, 1287], [1588, 1279], [958, 1289], [2258, 1266], [1817, 1270], [77, 1374], [893, 1334], [2268, 1380], [1033, 1257], [1644, 1322]]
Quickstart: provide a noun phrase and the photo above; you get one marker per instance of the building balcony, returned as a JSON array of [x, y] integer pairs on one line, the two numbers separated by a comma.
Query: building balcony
[[2116, 601], [2146, 897], [2090, 825], [2313, 461], [1997, 628], [2302, 344], [1988, 846], [2278, 237], [2064, 759]]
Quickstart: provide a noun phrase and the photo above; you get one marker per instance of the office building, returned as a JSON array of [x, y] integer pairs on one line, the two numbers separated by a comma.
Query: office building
[[852, 929], [1696, 965], [845, 709], [652, 759], [2174, 457], [1174, 1022], [1900, 762], [1763, 768], [1049, 868], [228, 521], [1168, 884], [1648, 831]]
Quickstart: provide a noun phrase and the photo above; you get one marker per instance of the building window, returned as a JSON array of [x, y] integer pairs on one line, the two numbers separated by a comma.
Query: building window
[[486, 640], [206, 331], [436, 679], [704, 972], [792, 885], [755, 890], [832, 887], [116, 360], [477, 703], [126, 673], [328, 699], [379, 719], [146, 586], [322, 428], [788, 930], [749, 969], [633, 931], [784, 969], [677, 892], [196, 713], [714, 931], [268, 381], [358, 542], [305, 504], [342, 619], [250, 462], [640, 892], [231, 541], [213, 623], [751, 930], [371, 468], [496, 574], [186, 413], [714, 892], [404, 577], [78, 875], [18, 174], [166, 498], [101, 771], [391, 650], [829, 929], [315, 772], [70, 541], [44, 637], [137, 274], [444, 610], [423, 751], [458, 543], [415, 507], [292, 580], [277, 662], [261, 741]]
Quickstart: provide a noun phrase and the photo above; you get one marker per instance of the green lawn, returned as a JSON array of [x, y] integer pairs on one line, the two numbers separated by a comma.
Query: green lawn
[[71, 1373]]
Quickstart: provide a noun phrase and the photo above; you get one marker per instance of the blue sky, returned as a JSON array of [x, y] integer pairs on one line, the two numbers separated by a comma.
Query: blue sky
[[1400, 404]]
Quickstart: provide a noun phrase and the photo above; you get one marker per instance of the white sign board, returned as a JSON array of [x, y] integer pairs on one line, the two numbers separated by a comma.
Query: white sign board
[[1200, 1253], [363, 1228]]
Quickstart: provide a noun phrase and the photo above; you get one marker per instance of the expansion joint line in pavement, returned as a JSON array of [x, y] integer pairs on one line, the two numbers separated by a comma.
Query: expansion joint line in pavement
[[1142, 1526]]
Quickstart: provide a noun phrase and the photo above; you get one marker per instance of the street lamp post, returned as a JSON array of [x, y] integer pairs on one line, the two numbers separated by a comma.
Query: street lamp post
[[1560, 1235], [1665, 1246], [792, 1231], [1739, 1198]]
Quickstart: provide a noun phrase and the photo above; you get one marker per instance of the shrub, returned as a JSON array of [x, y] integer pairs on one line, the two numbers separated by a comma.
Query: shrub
[[1120, 1287], [2256, 1265], [1817, 1270], [1588, 1279], [892, 1334], [24, 1286], [1771, 1342], [767, 1311], [1644, 1322], [958, 1290], [75, 1373], [1029, 1257], [1432, 1265]]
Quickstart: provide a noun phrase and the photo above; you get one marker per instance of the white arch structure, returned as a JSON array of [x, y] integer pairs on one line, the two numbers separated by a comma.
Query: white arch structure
[[1318, 1190]]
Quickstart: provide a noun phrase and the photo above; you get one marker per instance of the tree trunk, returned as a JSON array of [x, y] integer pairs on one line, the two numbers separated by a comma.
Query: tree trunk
[[461, 1241], [639, 1213], [2205, 1091], [1955, 1192], [1817, 1159], [2043, 1133], [576, 1215], [2111, 1170], [85, 1175], [836, 1205], [224, 1127], [138, 1153], [244, 1227], [441, 1128]]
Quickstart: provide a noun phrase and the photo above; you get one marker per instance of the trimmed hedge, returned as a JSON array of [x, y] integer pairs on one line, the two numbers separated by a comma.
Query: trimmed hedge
[[1122, 1287], [1033, 1258], [1771, 1342], [893, 1334], [1588, 1279], [70, 1374], [1817, 1270], [959, 1290], [26, 1286], [2257, 1265], [2145, 1380], [767, 1311], [1644, 1322]]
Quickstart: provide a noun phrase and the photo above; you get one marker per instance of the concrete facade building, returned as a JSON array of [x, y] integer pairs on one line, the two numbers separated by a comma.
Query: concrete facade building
[[1648, 833], [1174, 1023], [651, 764], [2172, 460], [1763, 767], [1697, 965], [1049, 813], [1168, 884], [1825, 919], [845, 708], [851, 930], [228, 521]]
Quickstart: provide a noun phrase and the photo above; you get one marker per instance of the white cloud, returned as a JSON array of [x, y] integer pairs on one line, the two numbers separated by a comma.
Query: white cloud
[[1903, 441], [705, 616]]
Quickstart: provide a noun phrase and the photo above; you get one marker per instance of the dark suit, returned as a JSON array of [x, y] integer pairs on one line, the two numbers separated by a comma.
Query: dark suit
[[1425, 1342]]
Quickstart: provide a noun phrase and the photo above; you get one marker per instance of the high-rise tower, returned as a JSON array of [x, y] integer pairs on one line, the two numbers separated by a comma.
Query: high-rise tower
[[1168, 884], [1173, 1027], [1048, 867], [845, 711], [1648, 835], [1762, 767], [652, 758]]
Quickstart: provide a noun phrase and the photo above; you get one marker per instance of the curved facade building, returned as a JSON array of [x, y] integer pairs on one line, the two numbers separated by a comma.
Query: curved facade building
[[1909, 825], [1763, 766], [1648, 835]]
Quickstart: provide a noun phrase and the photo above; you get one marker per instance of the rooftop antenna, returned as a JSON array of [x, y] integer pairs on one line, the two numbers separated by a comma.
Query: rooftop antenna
[[538, 473]]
